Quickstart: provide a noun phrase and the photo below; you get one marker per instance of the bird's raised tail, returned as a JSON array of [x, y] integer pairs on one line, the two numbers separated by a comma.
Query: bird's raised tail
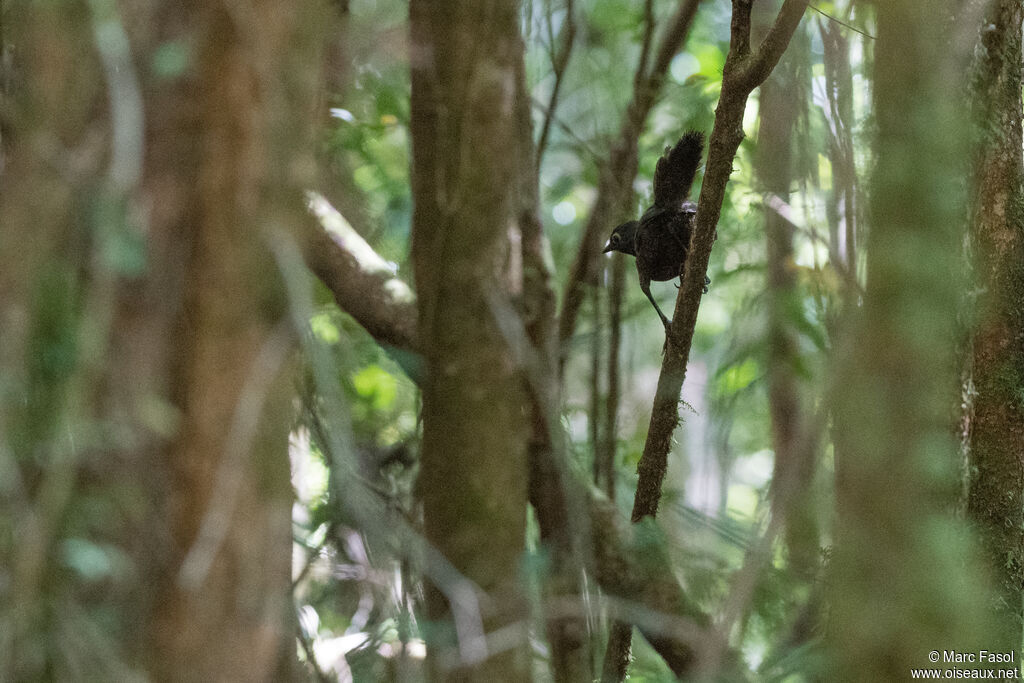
[[676, 169]]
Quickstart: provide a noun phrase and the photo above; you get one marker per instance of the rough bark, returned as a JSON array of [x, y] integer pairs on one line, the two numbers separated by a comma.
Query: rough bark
[[996, 443], [606, 452], [230, 194], [901, 579], [467, 158], [181, 185]]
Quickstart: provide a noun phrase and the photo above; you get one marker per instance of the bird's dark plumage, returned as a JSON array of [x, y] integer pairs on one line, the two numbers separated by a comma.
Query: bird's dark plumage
[[661, 238], [676, 169]]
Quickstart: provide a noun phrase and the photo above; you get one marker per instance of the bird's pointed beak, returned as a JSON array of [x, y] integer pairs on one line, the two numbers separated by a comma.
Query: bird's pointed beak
[[607, 248]]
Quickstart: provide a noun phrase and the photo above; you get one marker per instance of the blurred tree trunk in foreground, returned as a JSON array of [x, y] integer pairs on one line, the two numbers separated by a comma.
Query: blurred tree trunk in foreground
[[145, 338], [901, 586], [466, 60], [996, 422], [783, 97]]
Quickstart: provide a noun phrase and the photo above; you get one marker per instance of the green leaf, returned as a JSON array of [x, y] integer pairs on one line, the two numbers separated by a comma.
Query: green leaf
[[375, 384]]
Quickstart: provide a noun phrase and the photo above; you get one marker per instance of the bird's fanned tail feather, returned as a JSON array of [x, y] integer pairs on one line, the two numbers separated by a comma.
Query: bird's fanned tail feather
[[676, 170]]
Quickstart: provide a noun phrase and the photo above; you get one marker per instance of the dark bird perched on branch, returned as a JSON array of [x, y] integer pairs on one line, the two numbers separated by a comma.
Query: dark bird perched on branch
[[661, 238]]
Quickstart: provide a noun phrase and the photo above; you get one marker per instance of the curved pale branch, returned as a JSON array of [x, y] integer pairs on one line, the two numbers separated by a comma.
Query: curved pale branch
[[363, 284]]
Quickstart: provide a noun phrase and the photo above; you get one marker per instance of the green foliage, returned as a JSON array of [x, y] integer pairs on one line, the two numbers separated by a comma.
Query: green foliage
[[376, 386]]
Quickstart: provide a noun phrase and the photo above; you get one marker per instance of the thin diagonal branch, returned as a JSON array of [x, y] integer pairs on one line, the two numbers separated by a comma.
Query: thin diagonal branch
[[774, 44], [645, 49], [559, 65]]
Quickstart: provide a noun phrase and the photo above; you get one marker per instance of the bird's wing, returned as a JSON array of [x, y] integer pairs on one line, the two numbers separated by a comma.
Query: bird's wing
[[676, 169]]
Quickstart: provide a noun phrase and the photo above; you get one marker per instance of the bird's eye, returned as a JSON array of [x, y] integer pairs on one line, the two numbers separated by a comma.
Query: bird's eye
[[615, 238]]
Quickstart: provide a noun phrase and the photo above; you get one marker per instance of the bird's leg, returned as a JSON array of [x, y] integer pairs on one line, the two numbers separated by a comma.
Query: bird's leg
[[645, 286], [707, 281]]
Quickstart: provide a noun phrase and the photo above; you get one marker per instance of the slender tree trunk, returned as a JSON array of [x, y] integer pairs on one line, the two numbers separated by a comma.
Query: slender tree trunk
[[594, 419], [844, 207], [996, 437], [782, 100], [466, 60], [900, 586], [745, 69], [606, 453]]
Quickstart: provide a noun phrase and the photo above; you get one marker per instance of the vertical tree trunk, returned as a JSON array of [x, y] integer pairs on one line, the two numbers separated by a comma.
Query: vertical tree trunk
[[901, 587], [467, 161], [780, 109], [175, 406], [595, 423], [996, 445], [221, 145]]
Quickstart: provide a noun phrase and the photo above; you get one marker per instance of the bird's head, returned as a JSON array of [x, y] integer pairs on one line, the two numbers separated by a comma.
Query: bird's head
[[622, 239]]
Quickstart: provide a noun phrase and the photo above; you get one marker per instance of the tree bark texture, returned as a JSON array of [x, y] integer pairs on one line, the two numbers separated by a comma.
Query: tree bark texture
[[899, 557], [467, 160], [744, 70], [996, 438], [160, 242]]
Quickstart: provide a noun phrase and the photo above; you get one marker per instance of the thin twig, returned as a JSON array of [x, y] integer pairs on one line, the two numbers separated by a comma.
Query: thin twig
[[841, 22], [559, 64], [581, 144], [645, 50]]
